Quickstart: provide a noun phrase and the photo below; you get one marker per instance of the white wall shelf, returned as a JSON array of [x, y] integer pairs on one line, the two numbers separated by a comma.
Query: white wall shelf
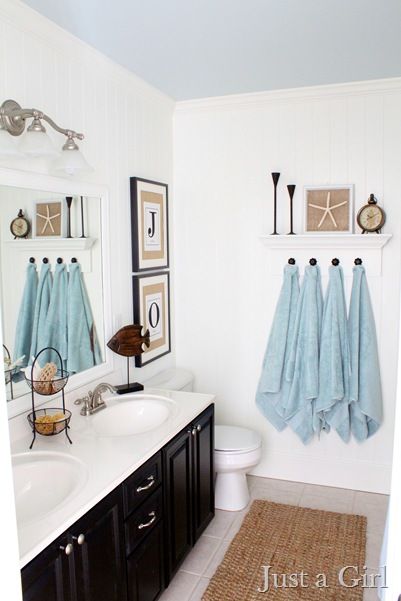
[[329, 241], [60, 244]]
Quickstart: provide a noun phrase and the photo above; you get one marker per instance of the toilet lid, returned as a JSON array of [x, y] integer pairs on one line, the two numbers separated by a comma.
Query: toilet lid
[[233, 438]]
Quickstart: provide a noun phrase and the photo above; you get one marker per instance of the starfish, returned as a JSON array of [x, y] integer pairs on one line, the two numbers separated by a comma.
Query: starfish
[[327, 210], [48, 219]]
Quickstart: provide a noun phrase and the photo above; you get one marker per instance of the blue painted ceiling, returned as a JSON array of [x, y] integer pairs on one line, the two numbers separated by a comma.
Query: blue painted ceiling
[[199, 48]]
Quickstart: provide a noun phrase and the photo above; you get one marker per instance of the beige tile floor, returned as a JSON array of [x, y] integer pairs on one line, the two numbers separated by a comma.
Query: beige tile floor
[[192, 579]]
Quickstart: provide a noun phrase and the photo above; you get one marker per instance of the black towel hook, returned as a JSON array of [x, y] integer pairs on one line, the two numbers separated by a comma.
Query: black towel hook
[[74, 260], [312, 261], [32, 259], [291, 261], [59, 260], [335, 262], [358, 261], [45, 260]]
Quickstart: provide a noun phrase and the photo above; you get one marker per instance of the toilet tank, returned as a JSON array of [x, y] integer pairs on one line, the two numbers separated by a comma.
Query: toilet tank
[[172, 379]]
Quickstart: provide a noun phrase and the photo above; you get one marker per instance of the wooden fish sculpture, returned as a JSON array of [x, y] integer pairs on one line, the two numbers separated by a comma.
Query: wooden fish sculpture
[[129, 341]]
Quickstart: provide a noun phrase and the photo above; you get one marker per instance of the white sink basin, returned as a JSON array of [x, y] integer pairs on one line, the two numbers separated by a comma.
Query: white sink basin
[[43, 481], [133, 414]]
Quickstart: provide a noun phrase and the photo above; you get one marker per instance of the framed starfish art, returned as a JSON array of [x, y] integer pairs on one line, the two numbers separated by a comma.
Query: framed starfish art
[[48, 219], [329, 209]]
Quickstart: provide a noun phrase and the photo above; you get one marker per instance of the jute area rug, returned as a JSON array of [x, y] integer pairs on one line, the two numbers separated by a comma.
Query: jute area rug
[[307, 551]]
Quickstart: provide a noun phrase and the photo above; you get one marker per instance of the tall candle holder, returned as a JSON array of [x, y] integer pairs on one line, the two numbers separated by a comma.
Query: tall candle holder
[[291, 190], [276, 177]]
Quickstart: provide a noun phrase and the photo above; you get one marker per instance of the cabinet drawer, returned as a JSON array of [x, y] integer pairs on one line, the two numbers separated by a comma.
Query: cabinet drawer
[[140, 523], [146, 568], [142, 483]]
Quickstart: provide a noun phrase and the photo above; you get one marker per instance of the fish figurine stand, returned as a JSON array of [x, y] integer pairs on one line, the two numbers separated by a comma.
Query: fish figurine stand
[[129, 342]]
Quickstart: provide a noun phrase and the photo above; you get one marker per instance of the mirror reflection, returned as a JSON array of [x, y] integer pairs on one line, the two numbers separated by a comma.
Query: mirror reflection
[[51, 282]]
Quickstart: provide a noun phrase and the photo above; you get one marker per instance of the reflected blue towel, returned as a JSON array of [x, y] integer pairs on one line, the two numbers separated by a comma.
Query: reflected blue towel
[[365, 385], [332, 405], [303, 365], [273, 388], [55, 334], [83, 346], [26, 315], [40, 314]]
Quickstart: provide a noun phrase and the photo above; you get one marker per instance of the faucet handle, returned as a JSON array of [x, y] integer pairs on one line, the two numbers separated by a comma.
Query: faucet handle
[[86, 406]]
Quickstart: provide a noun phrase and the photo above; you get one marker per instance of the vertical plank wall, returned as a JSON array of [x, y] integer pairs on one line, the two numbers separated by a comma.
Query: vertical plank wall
[[225, 150]]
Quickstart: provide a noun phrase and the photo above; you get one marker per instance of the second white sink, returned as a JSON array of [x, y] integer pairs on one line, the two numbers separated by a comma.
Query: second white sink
[[133, 414]]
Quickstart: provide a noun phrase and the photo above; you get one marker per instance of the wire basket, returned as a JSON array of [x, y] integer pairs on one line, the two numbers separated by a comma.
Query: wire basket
[[49, 422], [49, 387]]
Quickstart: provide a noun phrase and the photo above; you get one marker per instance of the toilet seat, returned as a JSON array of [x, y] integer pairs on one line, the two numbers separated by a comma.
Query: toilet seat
[[233, 439]]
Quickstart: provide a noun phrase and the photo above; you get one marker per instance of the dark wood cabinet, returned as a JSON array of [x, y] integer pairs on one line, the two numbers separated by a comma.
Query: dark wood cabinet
[[189, 486], [132, 542]]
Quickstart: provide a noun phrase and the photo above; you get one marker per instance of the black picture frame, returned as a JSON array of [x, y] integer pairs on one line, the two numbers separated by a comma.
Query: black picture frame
[[149, 200], [154, 286]]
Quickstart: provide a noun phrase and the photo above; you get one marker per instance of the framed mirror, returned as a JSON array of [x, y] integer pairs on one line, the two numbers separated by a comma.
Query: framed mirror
[[60, 234]]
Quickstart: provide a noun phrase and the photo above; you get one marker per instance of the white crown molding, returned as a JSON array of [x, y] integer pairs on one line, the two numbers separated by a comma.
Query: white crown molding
[[260, 99]]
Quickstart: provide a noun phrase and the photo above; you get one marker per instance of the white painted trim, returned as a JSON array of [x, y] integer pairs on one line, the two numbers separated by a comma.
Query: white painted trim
[[317, 241], [48, 183], [60, 244], [252, 100]]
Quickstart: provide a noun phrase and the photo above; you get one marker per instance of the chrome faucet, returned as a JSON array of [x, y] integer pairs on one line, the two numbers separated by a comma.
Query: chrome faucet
[[93, 401]]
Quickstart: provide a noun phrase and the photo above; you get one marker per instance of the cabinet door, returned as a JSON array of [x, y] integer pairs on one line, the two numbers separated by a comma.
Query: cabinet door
[[100, 560], [179, 509], [47, 576], [203, 471], [146, 568]]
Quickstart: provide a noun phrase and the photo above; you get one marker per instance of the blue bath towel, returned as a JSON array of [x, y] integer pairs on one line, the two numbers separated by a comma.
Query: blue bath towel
[[40, 314], [83, 346], [55, 334], [23, 332], [303, 364], [365, 385], [332, 405], [273, 387]]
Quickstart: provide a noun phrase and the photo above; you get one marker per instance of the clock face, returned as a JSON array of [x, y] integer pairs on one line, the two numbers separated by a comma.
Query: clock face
[[19, 227], [370, 218]]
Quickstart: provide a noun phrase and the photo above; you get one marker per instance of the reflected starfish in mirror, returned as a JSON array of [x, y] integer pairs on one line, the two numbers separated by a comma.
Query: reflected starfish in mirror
[[327, 210], [48, 219]]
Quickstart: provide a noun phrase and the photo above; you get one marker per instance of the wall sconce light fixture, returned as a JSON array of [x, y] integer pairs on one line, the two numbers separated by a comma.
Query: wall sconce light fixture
[[36, 142]]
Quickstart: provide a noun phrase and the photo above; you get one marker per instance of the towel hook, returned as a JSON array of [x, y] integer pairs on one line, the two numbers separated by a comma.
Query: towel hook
[[312, 261], [32, 259], [291, 261], [45, 260], [74, 260], [358, 261], [335, 262], [59, 260]]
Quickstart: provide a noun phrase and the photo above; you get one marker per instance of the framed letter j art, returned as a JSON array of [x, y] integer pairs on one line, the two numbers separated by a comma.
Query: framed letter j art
[[152, 311], [149, 224]]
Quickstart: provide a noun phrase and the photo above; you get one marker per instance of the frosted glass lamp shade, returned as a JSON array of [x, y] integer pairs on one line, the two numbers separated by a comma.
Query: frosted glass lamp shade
[[8, 146], [37, 144], [71, 162]]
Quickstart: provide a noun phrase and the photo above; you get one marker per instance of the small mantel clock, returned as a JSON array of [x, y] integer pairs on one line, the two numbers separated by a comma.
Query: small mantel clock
[[371, 217]]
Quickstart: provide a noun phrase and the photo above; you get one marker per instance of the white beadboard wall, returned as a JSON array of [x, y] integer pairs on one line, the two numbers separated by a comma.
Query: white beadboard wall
[[127, 126], [226, 284]]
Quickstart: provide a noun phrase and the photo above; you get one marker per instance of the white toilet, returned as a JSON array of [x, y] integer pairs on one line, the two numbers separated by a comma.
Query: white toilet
[[237, 450]]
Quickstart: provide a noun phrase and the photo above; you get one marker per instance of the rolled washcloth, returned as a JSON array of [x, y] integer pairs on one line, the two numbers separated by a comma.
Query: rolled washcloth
[[365, 385], [26, 315], [83, 346], [332, 404], [40, 313], [56, 320], [303, 364], [273, 388]]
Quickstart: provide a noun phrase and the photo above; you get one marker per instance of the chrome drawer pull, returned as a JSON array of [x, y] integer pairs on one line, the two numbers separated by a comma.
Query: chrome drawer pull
[[68, 549], [80, 539], [151, 480], [152, 515]]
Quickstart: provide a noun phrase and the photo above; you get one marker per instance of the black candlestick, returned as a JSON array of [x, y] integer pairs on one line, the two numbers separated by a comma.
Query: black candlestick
[[82, 218], [68, 200], [275, 177], [291, 190]]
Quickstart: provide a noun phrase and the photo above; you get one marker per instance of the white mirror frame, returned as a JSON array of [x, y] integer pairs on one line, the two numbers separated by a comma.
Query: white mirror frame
[[47, 183]]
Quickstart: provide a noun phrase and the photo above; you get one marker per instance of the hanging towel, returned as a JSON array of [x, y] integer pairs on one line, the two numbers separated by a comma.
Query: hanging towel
[[26, 315], [332, 405], [55, 333], [83, 346], [273, 387], [365, 386], [41, 307], [303, 364]]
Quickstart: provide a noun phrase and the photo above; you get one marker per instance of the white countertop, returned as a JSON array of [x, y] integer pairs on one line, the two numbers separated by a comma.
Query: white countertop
[[109, 461]]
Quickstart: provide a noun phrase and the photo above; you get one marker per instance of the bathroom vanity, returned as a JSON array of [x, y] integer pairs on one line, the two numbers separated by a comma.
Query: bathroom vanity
[[130, 544]]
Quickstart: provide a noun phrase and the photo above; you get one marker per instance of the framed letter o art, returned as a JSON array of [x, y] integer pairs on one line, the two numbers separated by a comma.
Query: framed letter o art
[[149, 224], [152, 311]]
